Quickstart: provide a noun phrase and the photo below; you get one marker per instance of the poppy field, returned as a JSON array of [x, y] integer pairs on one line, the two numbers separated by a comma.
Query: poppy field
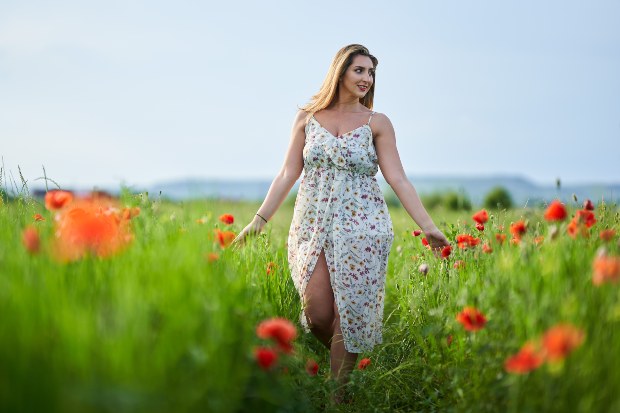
[[135, 304]]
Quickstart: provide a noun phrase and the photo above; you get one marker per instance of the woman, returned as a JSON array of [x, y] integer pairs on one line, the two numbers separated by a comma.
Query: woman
[[341, 232]]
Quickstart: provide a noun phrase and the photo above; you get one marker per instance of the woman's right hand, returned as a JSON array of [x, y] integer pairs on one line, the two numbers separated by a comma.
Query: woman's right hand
[[253, 228]]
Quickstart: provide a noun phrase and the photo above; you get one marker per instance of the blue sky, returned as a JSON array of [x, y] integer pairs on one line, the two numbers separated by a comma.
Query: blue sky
[[137, 92]]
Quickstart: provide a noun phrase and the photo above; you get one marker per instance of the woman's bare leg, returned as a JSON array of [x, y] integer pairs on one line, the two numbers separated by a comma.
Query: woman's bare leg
[[319, 302], [342, 361]]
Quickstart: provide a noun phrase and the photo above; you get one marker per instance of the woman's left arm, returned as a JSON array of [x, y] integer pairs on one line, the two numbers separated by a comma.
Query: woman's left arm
[[393, 172]]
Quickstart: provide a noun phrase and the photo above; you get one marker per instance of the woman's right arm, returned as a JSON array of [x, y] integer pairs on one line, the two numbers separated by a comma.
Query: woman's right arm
[[284, 180]]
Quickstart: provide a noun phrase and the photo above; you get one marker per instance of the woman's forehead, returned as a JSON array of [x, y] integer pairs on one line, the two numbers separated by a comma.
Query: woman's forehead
[[363, 61]]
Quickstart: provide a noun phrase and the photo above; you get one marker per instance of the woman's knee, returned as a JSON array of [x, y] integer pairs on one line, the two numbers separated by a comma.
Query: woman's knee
[[319, 317]]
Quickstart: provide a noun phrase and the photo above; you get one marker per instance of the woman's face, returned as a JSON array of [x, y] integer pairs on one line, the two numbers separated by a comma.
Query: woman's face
[[359, 76]]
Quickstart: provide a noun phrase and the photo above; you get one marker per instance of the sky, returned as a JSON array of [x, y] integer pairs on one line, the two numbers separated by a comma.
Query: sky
[[139, 92]]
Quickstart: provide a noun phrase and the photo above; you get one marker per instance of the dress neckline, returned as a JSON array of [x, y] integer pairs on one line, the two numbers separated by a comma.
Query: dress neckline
[[351, 131]]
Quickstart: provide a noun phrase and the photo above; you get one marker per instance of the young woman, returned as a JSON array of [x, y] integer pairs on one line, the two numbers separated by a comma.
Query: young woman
[[341, 232]]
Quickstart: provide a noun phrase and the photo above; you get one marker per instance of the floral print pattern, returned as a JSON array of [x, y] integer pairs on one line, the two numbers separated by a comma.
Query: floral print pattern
[[340, 209]]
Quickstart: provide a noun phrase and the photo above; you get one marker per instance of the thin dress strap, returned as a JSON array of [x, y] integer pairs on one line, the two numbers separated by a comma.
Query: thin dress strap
[[370, 118]]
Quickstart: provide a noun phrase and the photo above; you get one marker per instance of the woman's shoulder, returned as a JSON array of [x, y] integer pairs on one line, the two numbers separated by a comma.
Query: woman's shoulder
[[380, 117]]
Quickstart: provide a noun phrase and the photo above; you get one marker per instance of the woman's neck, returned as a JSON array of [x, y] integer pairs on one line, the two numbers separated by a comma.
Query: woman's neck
[[346, 105]]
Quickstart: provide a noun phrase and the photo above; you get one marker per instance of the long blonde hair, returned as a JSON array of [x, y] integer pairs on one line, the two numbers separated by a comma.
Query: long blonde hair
[[329, 90]]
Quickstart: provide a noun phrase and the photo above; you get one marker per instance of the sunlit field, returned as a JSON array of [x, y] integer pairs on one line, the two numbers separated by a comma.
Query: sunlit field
[[140, 305]]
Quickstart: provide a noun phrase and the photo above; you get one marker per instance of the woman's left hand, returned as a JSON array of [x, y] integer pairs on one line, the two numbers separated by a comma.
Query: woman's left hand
[[436, 239]]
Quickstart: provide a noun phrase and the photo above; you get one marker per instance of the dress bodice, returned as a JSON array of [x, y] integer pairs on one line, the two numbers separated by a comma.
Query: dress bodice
[[352, 152]]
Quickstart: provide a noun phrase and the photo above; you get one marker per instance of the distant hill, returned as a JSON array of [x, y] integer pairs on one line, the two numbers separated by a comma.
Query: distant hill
[[523, 191]]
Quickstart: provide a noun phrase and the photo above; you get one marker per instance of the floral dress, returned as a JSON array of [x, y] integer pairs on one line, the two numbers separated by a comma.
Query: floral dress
[[340, 209]]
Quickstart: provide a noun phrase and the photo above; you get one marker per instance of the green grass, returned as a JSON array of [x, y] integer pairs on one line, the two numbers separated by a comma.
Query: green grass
[[159, 328]]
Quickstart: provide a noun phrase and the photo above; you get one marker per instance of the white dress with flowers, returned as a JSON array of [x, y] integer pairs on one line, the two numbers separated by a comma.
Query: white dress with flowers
[[340, 209]]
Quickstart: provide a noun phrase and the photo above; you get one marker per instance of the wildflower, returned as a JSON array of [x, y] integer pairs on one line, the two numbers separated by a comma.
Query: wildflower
[[38, 217], [416, 233], [445, 251], [227, 219], [425, 242], [31, 240], [486, 248], [607, 234], [459, 264], [555, 211], [500, 238], [527, 359], [465, 240], [560, 340], [517, 229], [265, 357], [312, 367], [588, 205], [213, 256], [279, 329], [129, 213], [580, 223], [605, 269], [365, 362], [90, 226], [586, 217], [423, 269], [225, 238], [539, 239], [481, 216], [471, 319], [480, 227], [271, 267], [57, 199]]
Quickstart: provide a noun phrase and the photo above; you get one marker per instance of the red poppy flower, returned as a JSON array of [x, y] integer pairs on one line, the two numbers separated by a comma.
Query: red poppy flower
[[365, 362], [605, 269], [586, 217], [588, 205], [465, 241], [416, 233], [90, 226], [560, 340], [459, 264], [527, 359], [471, 319], [57, 199], [265, 357], [312, 367], [445, 251], [481, 216], [279, 329], [213, 256], [38, 217], [225, 238], [31, 240], [500, 238], [227, 219], [129, 213], [486, 248], [555, 211], [271, 267], [539, 239], [480, 227], [607, 234], [425, 242], [517, 229]]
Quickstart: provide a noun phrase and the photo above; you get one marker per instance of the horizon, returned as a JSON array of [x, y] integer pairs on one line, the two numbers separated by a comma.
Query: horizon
[[177, 90]]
